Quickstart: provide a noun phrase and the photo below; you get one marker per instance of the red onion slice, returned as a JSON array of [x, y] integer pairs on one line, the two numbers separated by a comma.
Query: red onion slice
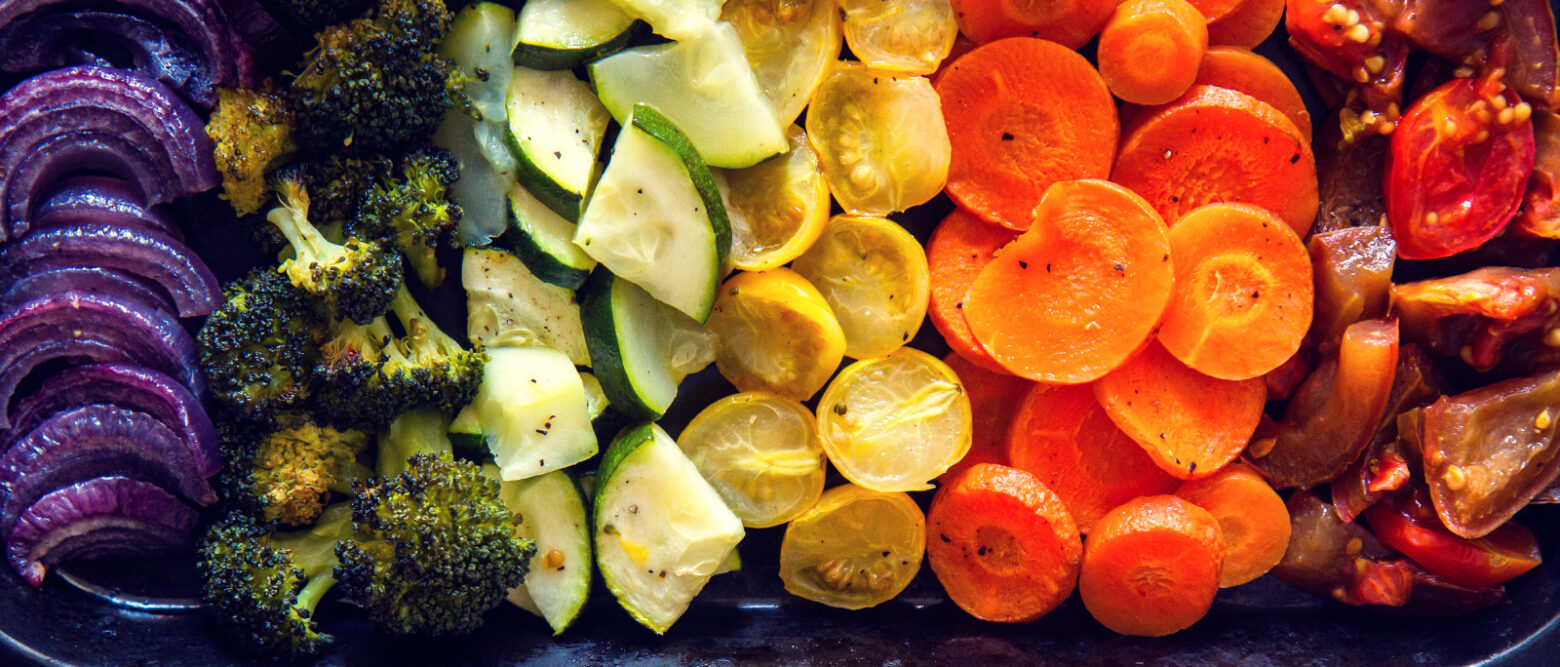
[[92, 441], [33, 31], [102, 199], [102, 516], [86, 327], [132, 388], [86, 279], [84, 119], [139, 252]]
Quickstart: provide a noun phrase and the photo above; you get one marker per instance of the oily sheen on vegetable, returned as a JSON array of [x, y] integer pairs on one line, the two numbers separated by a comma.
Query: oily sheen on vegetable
[[97, 119], [188, 45]]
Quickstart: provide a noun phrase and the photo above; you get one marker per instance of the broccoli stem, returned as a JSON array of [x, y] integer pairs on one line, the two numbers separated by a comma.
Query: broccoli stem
[[314, 591], [419, 431], [308, 243], [417, 323]]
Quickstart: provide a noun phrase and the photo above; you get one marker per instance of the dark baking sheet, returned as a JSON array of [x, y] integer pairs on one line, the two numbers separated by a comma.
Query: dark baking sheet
[[140, 613]]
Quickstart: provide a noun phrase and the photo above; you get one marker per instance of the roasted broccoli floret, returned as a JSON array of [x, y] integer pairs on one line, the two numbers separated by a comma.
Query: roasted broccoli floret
[[284, 471], [336, 185], [353, 279], [364, 378], [437, 547], [447, 375], [366, 375], [410, 209], [263, 586], [258, 349], [253, 133], [377, 83], [310, 16]]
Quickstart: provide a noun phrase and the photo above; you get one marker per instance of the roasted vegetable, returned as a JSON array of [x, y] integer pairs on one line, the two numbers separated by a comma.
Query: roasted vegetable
[[354, 279], [1489, 451], [438, 547], [1383, 467], [257, 350], [1478, 315], [1334, 413], [253, 133], [1407, 522], [411, 209], [263, 586], [375, 84], [1345, 562], [284, 471], [1353, 272]]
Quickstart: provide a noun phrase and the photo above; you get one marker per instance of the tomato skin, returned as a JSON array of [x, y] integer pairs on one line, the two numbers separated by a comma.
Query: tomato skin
[[1456, 174], [1365, 52], [1408, 523]]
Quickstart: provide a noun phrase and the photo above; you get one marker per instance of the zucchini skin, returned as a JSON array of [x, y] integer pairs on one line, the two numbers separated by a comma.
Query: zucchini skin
[[601, 340]]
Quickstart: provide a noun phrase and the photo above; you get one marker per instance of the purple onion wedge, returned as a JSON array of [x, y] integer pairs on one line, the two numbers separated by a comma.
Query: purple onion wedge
[[104, 200], [136, 251], [97, 119], [92, 441], [129, 387], [189, 45], [86, 279], [86, 327], [102, 516]]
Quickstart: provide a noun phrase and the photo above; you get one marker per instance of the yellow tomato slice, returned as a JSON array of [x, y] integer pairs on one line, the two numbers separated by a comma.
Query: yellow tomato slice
[[761, 454], [774, 332], [855, 549], [789, 44], [895, 423], [908, 36], [777, 207], [880, 138], [875, 277]]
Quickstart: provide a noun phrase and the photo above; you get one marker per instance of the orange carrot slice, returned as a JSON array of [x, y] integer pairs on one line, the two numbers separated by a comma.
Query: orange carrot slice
[[1213, 10], [1251, 516], [1072, 298], [1063, 436], [1002, 544], [1218, 145], [1150, 50], [1190, 424], [1241, 70], [960, 247], [1247, 26], [994, 399], [1071, 23], [1243, 292], [1022, 114], [1151, 566]]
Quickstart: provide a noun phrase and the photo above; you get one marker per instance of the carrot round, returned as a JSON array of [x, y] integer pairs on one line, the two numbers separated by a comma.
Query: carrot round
[[1069, 300], [1241, 70], [1150, 50], [1190, 424], [1213, 10], [1063, 436], [1071, 23], [1022, 114], [959, 248], [1218, 145], [1252, 519], [1247, 26], [1151, 566], [1243, 292], [994, 398], [1002, 544]]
